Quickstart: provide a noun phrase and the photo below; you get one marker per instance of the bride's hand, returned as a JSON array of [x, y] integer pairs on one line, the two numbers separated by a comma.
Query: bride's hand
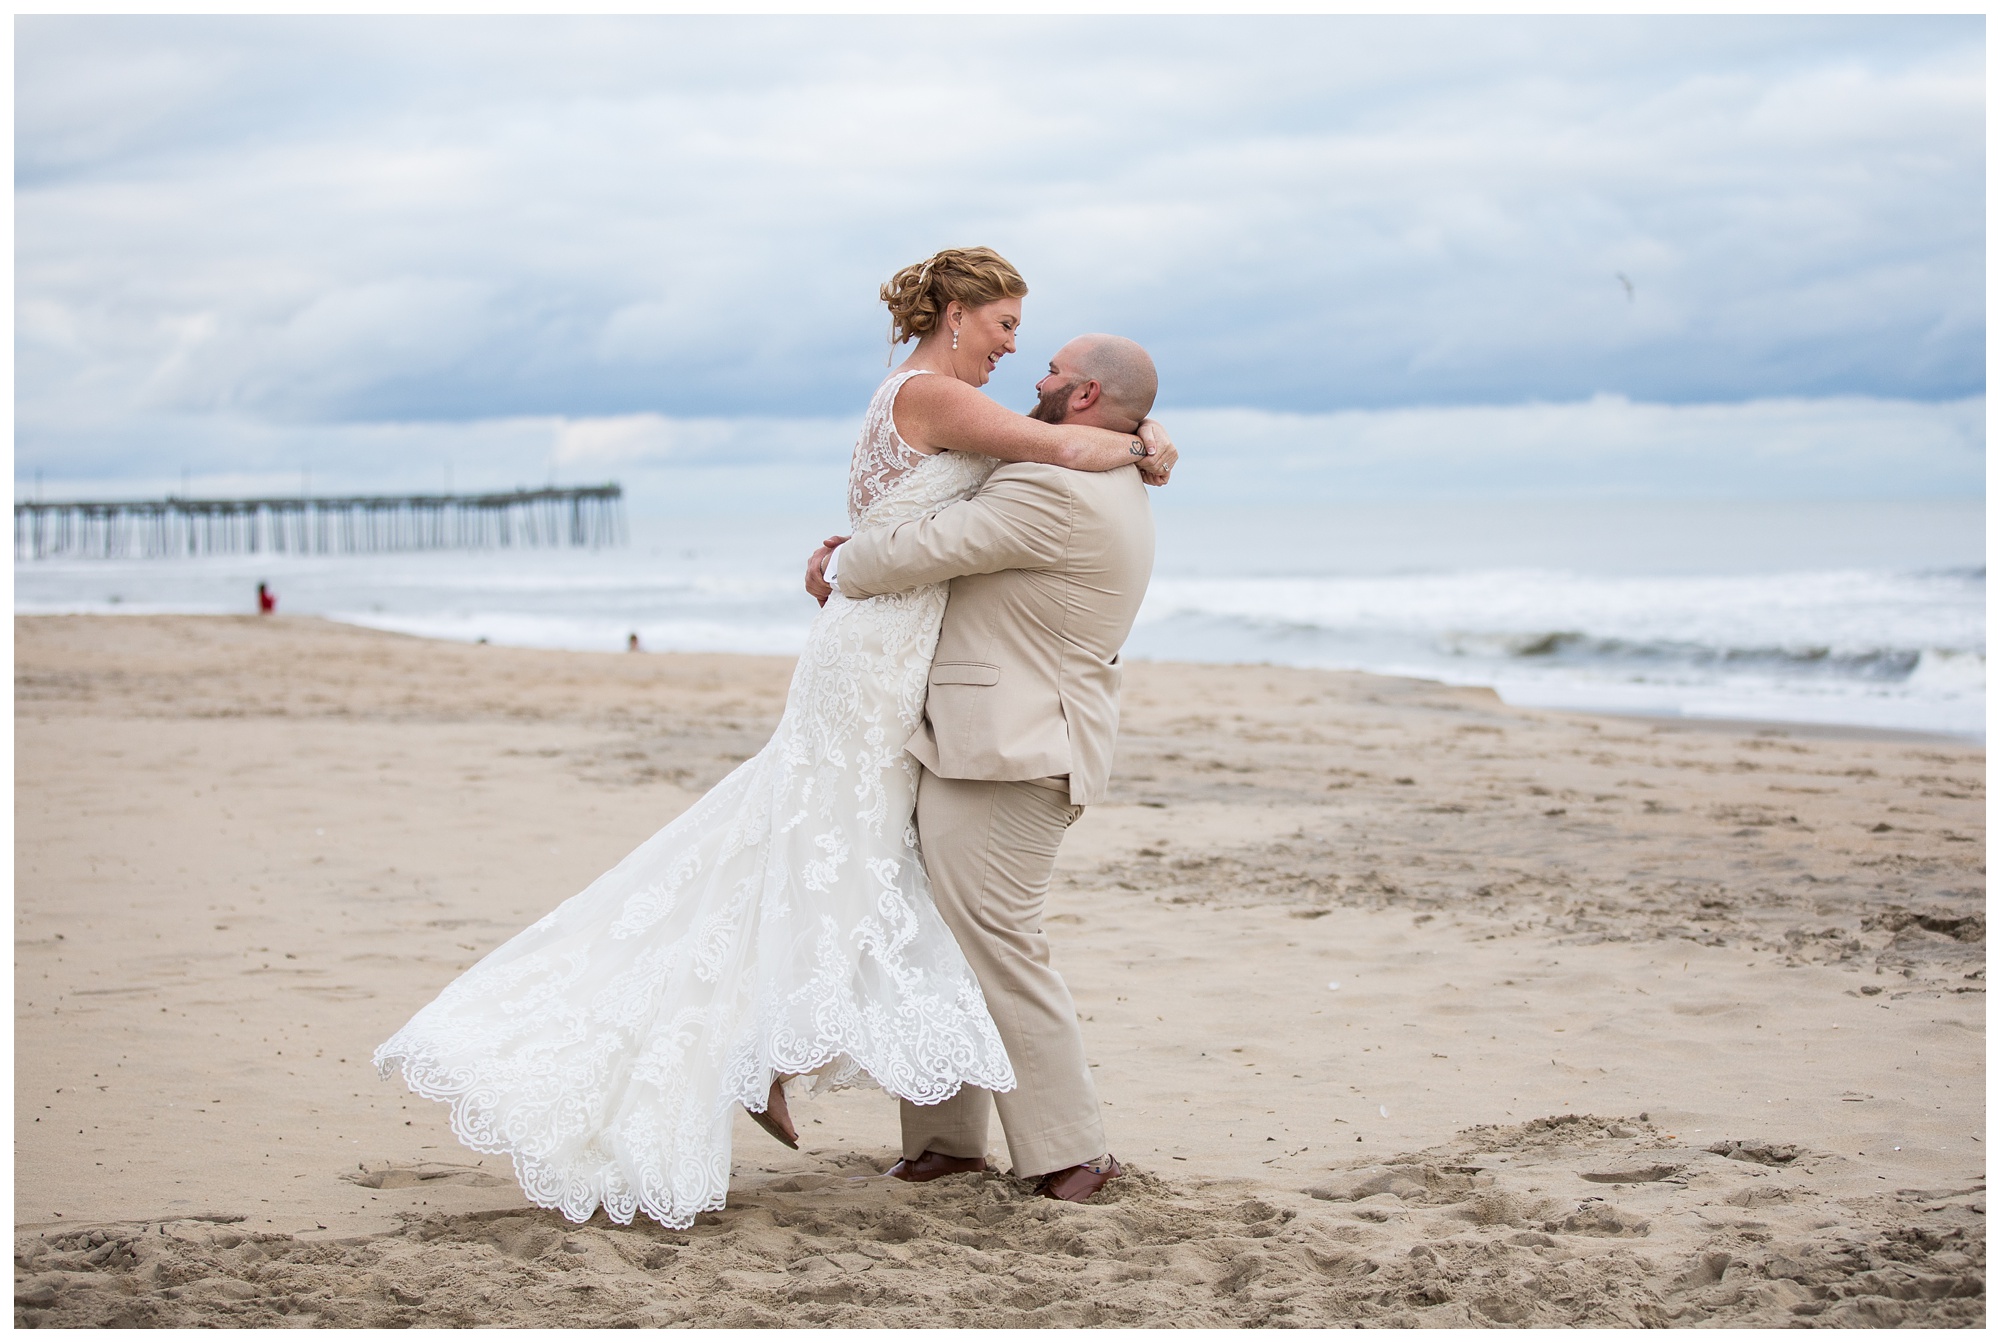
[[816, 584], [1161, 454]]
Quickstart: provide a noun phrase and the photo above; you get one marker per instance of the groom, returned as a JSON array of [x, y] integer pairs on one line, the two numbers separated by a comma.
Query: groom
[[1047, 569]]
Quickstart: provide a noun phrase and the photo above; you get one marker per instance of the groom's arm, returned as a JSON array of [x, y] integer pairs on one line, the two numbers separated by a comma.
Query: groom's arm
[[1020, 519]]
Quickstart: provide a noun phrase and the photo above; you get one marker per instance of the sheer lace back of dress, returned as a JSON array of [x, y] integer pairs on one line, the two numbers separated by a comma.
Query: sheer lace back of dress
[[881, 457]]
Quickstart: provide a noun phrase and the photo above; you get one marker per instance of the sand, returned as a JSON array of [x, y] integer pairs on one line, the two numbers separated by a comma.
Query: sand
[[1635, 1023]]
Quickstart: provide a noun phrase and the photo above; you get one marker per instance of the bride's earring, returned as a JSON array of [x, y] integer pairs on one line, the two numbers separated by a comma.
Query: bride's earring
[[954, 338]]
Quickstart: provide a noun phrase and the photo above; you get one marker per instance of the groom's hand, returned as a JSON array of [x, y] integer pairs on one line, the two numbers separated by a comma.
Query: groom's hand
[[816, 583]]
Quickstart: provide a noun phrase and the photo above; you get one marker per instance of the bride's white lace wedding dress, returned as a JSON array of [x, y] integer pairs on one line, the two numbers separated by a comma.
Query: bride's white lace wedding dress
[[783, 924]]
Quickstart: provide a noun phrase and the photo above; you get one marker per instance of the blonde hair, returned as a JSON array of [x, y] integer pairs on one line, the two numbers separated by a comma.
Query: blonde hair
[[974, 276]]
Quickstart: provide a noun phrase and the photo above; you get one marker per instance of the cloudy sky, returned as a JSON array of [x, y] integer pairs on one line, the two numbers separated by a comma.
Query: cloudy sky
[[1373, 257]]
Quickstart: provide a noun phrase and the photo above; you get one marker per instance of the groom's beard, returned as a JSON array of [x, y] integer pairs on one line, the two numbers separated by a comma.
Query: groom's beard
[[1053, 407]]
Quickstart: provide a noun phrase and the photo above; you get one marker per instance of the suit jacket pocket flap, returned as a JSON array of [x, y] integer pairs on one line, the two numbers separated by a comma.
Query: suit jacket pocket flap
[[964, 673]]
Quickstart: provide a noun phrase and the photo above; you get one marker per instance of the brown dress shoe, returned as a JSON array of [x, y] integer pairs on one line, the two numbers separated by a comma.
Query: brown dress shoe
[[1074, 1184], [933, 1164]]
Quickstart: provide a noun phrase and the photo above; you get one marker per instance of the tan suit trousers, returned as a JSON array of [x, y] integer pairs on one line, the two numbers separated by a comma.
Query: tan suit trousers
[[990, 850]]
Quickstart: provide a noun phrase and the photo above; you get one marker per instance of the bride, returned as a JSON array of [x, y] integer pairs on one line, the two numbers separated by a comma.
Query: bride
[[782, 927]]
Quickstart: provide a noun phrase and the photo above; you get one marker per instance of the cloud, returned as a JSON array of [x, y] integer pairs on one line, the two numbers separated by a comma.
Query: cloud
[[1606, 447], [657, 440], [278, 227]]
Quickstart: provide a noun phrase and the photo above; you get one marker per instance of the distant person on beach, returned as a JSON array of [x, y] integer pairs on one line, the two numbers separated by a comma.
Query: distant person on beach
[[267, 600], [632, 642], [783, 928]]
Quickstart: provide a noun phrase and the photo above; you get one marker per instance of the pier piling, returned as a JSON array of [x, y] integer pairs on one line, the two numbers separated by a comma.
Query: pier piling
[[588, 516]]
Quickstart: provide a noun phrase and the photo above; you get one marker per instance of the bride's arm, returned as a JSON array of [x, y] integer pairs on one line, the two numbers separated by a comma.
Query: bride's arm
[[942, 412]]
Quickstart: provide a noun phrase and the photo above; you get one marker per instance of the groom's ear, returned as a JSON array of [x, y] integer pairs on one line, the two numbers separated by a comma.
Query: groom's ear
[[1088, 393]]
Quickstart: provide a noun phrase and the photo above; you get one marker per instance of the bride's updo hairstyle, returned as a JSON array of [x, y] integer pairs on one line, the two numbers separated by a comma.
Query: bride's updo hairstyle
[[917, 294]]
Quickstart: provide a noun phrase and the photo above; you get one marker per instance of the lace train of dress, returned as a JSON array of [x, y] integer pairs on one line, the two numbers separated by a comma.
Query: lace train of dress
[[781, 925]]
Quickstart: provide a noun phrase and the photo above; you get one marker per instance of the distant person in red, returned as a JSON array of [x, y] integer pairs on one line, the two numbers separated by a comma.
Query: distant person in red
[[267, 600]]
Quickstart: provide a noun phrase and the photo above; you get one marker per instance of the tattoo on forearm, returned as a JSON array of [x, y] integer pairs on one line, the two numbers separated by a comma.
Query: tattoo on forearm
[[1138, 448]]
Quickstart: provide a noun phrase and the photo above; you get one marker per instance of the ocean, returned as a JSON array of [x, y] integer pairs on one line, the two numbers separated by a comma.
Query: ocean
[[1848, 613]]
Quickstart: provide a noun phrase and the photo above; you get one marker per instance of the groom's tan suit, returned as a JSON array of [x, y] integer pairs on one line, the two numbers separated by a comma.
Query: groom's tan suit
[[1047, 569]]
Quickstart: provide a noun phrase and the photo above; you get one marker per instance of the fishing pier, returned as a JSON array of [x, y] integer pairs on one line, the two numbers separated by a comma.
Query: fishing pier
[[591, 516]]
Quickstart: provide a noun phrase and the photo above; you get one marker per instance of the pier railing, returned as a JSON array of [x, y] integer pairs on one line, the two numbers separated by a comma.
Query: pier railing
[[590, 516]]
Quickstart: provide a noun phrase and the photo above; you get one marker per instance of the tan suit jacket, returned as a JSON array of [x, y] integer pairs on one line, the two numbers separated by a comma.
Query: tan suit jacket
[[1047, 569]]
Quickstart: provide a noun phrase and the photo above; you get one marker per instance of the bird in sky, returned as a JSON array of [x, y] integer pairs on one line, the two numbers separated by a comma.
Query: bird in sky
[[1622, 279]]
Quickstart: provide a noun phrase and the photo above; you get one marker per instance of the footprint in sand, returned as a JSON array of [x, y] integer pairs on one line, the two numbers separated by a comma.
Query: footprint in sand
[[1637, 1175], [408, 1177]]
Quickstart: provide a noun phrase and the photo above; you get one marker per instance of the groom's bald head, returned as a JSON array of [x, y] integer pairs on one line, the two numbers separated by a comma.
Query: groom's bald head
[[1107, 381]]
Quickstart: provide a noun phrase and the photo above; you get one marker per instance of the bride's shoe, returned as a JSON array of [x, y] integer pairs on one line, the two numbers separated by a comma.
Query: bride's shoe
[[776, 1118]]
